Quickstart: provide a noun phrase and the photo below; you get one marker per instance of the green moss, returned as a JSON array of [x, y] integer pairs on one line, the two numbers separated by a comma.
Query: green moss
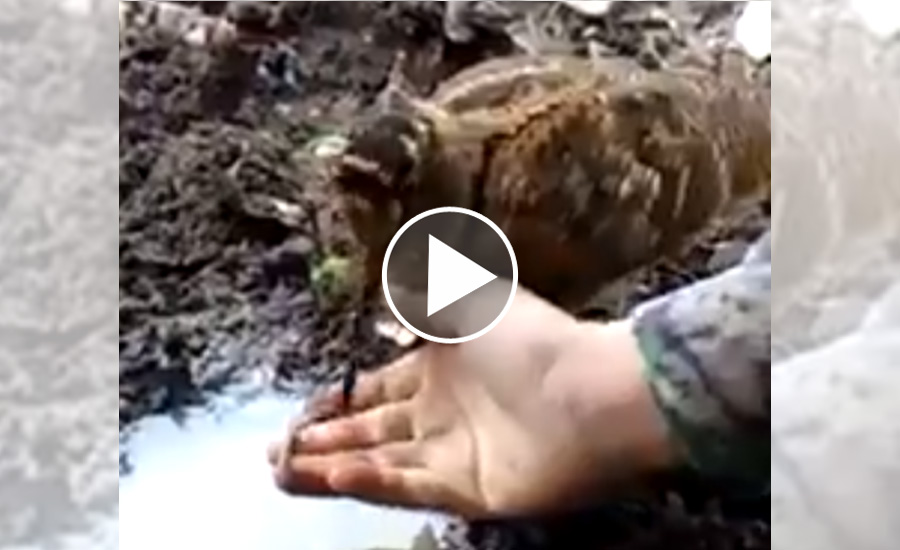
[[332, 279]]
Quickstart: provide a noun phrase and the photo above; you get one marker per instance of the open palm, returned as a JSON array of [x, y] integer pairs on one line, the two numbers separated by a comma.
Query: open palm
[[525, 419]]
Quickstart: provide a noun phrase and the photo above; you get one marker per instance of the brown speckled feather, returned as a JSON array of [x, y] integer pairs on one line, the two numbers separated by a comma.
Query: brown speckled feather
[[593, 169]]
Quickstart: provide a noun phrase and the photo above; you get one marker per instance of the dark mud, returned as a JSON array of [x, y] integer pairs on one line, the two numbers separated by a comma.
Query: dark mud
[[224, 216]]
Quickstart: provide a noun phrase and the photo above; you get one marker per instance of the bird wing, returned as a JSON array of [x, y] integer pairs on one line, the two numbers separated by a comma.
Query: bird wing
[[598, 182]]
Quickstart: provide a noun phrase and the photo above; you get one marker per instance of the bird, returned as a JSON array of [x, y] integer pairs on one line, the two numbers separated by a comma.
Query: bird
[[593, 168]]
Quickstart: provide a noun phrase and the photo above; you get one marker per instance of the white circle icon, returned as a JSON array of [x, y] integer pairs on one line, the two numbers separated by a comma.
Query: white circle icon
[[457, 284]]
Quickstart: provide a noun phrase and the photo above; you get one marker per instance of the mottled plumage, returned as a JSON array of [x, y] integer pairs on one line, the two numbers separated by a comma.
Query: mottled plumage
[[593, 168]]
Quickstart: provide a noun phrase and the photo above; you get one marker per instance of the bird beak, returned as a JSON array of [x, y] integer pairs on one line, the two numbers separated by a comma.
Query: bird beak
[[333, 151]]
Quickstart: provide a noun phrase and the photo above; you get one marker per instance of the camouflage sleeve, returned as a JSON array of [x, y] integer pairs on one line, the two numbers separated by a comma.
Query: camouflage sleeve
[[707, 351]]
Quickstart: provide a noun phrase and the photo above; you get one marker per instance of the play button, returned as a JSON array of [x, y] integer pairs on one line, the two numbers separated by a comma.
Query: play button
[[449, 275]]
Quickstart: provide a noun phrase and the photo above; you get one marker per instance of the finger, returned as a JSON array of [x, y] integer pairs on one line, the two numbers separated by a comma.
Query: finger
[[279, 450], [397, 381], [274, 452], [312, 481], [308, 477], [414, 488], [378, 426], [311, 474]]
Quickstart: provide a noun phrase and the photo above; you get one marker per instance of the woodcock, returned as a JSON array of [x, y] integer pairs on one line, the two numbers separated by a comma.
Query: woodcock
[[592, 168]]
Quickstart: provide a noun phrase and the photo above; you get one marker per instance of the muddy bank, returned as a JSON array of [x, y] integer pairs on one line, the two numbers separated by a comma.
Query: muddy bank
[[224, 218], [221, 215]]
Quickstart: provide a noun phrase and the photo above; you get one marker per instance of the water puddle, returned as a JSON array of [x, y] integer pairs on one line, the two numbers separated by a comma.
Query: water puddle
[[206, 484]]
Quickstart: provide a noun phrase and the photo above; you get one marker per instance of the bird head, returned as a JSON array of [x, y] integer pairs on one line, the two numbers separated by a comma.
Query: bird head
[[383, 156], [376, 169]]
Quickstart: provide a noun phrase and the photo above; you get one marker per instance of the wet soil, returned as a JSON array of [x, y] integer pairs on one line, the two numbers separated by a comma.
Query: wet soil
[[223, 215]]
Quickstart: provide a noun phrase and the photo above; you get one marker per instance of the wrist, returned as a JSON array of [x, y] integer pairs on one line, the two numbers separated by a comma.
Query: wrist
[[604, 377]]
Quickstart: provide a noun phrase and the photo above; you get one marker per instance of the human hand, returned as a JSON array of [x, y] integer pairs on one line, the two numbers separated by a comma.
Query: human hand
[[540, 414]]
